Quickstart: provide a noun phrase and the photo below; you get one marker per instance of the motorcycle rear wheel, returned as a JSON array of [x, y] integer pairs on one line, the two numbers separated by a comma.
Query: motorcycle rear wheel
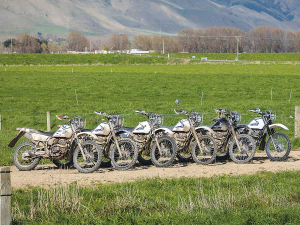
[[128, 160], [248, 149], [93, 154], [63, 163], [169, 152], [207, 152], [20, 163]]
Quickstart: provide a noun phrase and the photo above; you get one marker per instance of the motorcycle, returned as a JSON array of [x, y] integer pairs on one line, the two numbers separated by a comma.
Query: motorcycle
[[191, 142], [278, 146], [58, 145], [240, 147], [154, 145], [121, 152]]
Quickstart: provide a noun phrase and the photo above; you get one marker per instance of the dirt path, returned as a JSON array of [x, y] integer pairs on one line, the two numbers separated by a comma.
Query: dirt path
[[48, 175]]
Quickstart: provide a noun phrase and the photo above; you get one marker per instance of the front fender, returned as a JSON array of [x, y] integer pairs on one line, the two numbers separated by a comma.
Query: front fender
[[87, 134], [278, 125], [125, 132], [206, 128], [162, 129]]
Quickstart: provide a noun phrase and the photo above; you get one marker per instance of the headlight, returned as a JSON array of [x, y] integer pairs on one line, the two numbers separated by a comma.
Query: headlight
[[198, 119], [237, 117], [159, 120], [272, 116]]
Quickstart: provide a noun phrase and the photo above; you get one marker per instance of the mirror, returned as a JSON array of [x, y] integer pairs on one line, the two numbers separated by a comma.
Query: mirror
[[177, 101]]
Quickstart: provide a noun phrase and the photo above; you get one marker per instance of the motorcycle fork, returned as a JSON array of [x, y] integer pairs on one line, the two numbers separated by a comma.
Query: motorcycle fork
[[270, 135], [196, 137], [235, 138], [158, 146], [116, 141], [80, 147]]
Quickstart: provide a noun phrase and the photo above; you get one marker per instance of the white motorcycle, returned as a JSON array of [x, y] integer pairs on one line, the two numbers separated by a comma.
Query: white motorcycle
[[191, 142], [59, 145], [154, 145], [121, 152], [278, 146]]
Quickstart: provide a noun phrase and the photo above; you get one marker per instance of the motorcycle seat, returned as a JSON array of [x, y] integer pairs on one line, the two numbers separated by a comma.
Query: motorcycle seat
[[170, 128], [130, 129], [49, 134]]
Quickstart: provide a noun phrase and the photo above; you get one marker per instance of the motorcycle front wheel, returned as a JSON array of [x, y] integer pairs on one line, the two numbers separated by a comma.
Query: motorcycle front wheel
[[128, 156], [247, 149], [282, 147], [24, 158], [168, 152], [205, 153], [93, 158]]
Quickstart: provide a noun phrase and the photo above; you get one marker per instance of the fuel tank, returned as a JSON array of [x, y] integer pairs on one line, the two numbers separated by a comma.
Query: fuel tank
[[221, 125]]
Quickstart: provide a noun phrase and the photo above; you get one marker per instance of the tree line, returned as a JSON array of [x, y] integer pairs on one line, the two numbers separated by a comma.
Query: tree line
[[262, 39]]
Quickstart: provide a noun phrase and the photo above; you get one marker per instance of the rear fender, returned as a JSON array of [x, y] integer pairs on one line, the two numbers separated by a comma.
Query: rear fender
[[13, 142], [278, 125]]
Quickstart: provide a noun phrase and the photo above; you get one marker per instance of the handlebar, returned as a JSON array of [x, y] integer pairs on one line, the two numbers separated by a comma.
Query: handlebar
[[62, 117], [141, 112], [255, 111], [180, 112], [102, 114]]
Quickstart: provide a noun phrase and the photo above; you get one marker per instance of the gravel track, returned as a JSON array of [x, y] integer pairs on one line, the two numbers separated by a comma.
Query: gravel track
[[49, 176]]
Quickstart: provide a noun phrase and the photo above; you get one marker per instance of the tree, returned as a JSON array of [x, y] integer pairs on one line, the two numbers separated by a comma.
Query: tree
[[44, 48], [53, 47], [116, 40], [142, 42], [28, 44], [77, 41], [7, 43]]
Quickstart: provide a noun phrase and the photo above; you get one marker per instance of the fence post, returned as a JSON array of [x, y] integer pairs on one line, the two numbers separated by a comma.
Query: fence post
[[5, 196], [0, 122], [48, 122], [297, 121]]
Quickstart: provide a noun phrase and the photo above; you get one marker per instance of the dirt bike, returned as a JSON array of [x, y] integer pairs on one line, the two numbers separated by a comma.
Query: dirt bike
[[153, 144], [278, 145], [240, 147], [191, 142], [62, 144], [121, 152]]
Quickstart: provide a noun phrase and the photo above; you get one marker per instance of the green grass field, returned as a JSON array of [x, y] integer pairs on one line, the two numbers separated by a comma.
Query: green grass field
[[27, 94], [263, 198], [124, 59]]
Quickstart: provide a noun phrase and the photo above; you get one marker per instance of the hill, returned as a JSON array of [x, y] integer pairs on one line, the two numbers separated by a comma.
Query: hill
[[151, 17]]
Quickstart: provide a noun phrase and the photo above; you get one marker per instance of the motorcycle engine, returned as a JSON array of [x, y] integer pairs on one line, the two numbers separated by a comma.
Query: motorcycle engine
[[58, 147], [220, 138], [180, 139]]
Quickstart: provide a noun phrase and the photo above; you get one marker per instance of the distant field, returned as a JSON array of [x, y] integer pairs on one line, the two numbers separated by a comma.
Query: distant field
[[243, 56], [73, 59], [124, 59], [26, 94]]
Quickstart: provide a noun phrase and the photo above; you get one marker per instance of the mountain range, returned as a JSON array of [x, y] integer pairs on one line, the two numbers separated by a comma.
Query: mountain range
[[148, 17]]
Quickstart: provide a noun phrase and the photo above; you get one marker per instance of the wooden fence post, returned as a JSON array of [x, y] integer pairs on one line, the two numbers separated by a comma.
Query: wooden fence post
[[0, 122], [5, 196], [48, 122], [297, 121]]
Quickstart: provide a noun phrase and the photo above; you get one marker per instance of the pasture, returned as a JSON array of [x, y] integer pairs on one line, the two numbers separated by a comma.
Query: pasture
[[27, 93]]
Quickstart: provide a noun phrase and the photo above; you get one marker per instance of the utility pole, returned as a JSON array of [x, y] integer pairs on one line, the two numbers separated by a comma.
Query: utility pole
[[121, 34], [11, 45], [237, 47], [163, 46]]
